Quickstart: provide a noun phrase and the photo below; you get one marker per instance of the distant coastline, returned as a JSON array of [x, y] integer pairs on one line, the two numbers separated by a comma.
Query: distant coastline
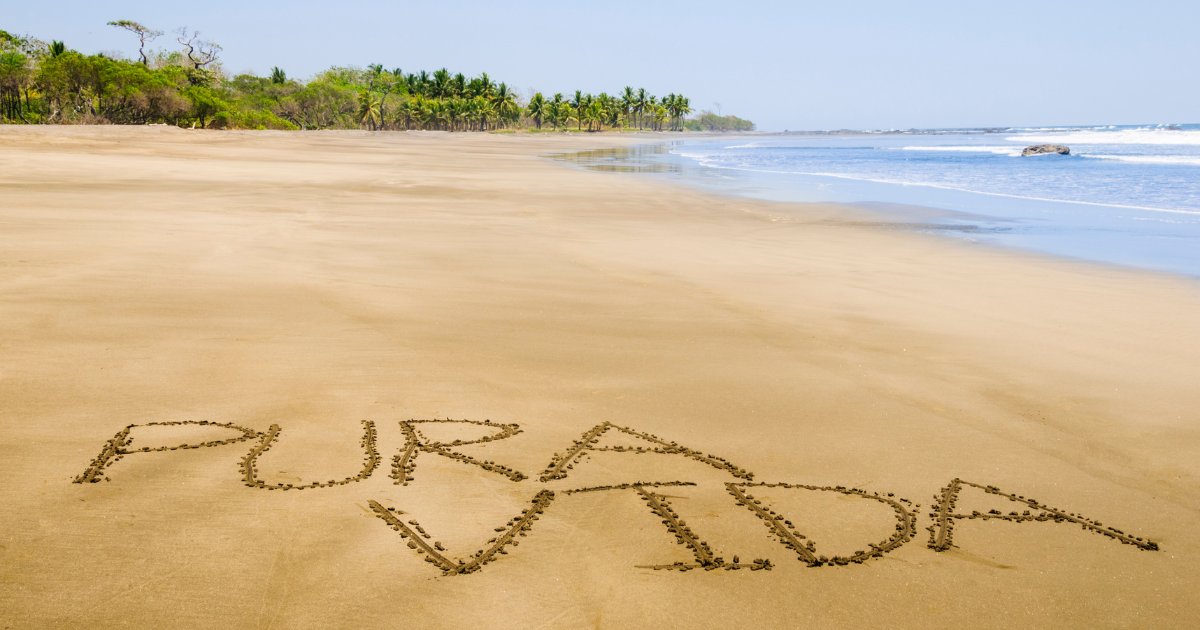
[[48, 83]]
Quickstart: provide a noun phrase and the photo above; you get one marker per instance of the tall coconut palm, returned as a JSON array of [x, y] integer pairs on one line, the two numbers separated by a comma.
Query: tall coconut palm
[[505, 101], [683, 107], [628, 98], [537, 109], [555, 104], [640, 103], [577, 103]]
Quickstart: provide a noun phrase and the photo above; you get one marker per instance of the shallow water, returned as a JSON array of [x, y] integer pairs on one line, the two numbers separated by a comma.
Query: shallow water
[[1125, 195]]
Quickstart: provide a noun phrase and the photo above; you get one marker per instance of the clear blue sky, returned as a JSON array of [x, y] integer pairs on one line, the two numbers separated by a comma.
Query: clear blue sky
[[785, 65]]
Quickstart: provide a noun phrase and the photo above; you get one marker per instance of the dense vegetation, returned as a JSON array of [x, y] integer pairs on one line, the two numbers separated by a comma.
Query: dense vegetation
[[49, 83]]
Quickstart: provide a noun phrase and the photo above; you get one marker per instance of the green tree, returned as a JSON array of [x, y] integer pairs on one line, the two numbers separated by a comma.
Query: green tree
[[15, 76], [205, 104]]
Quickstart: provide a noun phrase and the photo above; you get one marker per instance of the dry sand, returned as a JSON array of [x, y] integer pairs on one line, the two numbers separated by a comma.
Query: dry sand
[[326, 282]]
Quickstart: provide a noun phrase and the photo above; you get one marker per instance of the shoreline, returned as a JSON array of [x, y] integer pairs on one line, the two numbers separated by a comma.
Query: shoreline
[[331, 284], [1067, 229]]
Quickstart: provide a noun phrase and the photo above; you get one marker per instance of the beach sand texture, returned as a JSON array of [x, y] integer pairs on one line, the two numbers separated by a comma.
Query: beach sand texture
[[751, 389]]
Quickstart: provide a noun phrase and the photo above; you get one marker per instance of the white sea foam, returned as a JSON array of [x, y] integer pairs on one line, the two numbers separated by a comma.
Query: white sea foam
[[1009, 151], [1144, 135], [707, 160], [1147, 159]]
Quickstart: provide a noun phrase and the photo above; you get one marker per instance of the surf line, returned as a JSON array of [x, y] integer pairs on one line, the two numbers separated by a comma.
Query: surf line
[[742, 488]]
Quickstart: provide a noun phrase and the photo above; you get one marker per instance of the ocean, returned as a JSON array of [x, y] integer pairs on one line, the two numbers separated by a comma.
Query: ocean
[[1126, 195]]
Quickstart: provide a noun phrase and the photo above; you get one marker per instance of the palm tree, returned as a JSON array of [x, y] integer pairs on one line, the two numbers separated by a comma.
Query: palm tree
[[615, 116], [278, 76], [487, 112], [578, 102], [505, 101], [438, 114], [627, 100], [486, 87], [555, 103], [594, 114], [404, 113], [441, 84], [660, 114], [537, 109], [566, 114], [683, 107], [369, 112], [639, 105]]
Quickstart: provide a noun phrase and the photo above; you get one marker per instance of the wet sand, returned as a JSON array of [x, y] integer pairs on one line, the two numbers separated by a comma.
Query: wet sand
[[688, 410]]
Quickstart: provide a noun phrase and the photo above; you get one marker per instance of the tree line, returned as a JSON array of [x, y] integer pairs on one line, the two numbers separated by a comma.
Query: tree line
[[49, 83]]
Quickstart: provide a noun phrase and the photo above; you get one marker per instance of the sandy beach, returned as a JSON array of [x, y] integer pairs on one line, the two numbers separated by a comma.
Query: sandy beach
[[769, 387]]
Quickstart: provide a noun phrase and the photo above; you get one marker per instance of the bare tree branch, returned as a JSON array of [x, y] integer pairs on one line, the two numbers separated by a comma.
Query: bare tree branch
[[144, 34]]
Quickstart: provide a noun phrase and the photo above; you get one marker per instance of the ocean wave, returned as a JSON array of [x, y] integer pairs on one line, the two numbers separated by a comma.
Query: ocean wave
[[1145, 135], [996, 194], [1009, 151], [1147, 159], [707, 160]]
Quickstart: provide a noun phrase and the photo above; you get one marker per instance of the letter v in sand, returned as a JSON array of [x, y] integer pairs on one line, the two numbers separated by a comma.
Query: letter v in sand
[[506, 535]]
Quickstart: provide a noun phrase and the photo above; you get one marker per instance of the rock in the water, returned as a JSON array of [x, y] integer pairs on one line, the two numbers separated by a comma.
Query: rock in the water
[[1046, 148]]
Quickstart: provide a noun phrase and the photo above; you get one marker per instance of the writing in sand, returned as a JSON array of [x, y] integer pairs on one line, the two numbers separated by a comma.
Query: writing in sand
[[740, 486]]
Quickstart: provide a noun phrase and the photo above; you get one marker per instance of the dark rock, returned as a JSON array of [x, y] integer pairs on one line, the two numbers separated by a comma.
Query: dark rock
[[1046, 148]]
